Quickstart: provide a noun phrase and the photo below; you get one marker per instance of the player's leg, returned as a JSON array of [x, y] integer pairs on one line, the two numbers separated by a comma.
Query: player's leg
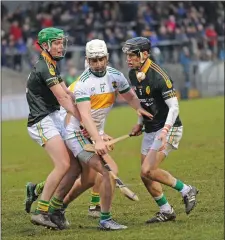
[[47, 135], [93, 161], [84, 182], [56, 202], [151, 171], [94, 207], [166, 212], [106, 194]]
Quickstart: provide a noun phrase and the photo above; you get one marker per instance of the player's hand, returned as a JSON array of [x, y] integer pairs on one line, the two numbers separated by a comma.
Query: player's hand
[[136, 130], [106, 138], [101, 147], [162, 138], [142, 112]]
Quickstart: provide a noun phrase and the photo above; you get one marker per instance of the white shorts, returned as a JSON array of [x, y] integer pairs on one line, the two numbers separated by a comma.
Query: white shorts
[[173, 138], [47, 128], [76, 145]]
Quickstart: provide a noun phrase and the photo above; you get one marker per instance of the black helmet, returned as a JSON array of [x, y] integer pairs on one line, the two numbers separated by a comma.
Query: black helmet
[[137, 45]]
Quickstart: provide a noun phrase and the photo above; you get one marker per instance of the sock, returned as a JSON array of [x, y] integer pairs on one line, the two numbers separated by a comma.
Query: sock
[[95, 199], [105, 216], [39, 188], [42, 206], [163, 203], [181, 187], [55, 204]]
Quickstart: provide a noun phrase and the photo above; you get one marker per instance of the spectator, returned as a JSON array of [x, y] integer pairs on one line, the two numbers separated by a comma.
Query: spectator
[[84, 21], [185, 60], [16, 31], [211, 36]]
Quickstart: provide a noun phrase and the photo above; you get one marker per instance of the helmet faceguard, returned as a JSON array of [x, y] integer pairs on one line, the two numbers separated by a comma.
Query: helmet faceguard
[[137, 45], [96, 50], [48, 35]]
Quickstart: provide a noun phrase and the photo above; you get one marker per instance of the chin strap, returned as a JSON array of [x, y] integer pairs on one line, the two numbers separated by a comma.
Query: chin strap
[[98, 74], [142, 58]]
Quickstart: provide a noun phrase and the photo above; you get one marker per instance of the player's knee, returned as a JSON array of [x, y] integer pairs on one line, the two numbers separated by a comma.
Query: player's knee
[[63, 167], [147, 173], [90, 180], [105, 174]]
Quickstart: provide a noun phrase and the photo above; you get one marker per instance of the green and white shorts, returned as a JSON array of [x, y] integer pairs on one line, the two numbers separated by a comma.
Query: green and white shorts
[[50, 126], [173, 138], [76, 144]]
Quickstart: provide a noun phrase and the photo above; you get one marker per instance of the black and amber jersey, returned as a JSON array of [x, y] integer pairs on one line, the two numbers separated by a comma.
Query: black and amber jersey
[[40, 98], [153, 91]]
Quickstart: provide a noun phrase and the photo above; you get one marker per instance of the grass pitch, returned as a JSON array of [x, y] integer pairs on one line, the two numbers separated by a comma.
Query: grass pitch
[[199, 161]]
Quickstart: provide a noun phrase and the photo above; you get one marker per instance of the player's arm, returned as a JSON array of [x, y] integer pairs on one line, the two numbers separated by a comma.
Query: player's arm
[[131, 98], [169, 95], [82, 96], [65, 100], [67, 91]]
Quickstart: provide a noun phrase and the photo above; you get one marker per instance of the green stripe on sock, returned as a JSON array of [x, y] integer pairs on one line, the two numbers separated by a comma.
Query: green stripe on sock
[[39, 188], [105, 216], [95, 199], [179, 185], [55, 204], [161, 201]]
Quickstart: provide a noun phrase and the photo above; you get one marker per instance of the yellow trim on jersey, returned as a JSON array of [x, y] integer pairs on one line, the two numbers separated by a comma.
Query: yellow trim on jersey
[[163, 74], [48, 58], [102, 100], [146, 66], [160, 71], [72, 85]]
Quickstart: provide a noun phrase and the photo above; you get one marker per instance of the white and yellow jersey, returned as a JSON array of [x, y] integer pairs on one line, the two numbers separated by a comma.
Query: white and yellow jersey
[[101, 92]]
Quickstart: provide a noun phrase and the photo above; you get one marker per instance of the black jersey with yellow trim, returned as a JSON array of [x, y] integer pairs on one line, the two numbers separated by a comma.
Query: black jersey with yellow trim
[[153, 91], [40, 98]]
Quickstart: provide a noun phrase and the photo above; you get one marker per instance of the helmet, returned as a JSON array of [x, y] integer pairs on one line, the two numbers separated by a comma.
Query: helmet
[[50, 34], [137, 45], [96, 48]]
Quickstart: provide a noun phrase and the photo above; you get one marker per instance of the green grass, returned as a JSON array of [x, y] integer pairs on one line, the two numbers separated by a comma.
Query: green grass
[[199, 161]]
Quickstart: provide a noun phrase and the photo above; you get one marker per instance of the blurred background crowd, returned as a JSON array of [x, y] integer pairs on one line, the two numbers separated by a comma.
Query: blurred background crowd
[[179, 31]]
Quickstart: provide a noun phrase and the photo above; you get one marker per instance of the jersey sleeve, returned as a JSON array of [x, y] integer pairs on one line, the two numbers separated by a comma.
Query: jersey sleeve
[[166, 87], [124, 86], [82, 92], [50, 75]]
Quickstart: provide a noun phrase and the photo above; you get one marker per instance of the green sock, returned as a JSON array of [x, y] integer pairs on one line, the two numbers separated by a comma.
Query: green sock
[[105, 216], [55, 204], [39, 188], [95, 199], [161, 200], [42, 206], [179, 185]]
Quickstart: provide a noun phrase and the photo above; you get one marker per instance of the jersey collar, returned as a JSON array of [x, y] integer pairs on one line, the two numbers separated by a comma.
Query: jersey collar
[[146, 66], [46, 56]]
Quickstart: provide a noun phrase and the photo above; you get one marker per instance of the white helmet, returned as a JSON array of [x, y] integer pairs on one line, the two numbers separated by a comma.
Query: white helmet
[[96, 48]]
